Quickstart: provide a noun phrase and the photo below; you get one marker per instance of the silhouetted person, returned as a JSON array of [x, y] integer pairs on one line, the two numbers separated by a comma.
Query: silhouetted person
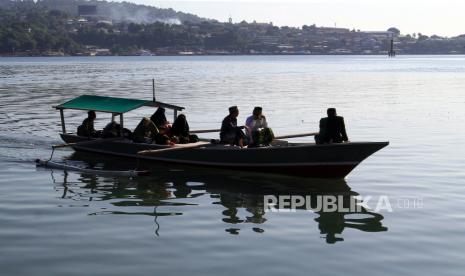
[[180, 129], [230, 132], [147, 132], [87, 127], [332, 129], [111, 130], [159, 118]]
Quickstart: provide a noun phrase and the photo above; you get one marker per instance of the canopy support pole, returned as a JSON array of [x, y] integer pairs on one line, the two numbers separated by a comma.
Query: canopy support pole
[[175, 115], [62, 116], [153, 89], [121, 124]]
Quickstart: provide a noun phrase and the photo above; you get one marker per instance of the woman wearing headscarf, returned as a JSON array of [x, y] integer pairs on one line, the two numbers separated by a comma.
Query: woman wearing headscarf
[[180, 129], [159, 119]]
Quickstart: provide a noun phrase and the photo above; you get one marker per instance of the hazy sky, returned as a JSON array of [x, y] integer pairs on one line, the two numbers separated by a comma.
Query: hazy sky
[[446, 17]]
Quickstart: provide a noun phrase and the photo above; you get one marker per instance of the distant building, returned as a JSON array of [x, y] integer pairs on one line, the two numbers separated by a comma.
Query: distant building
[[106, 22], [267, 40], [329, 30], [379, 35], [102, 52]]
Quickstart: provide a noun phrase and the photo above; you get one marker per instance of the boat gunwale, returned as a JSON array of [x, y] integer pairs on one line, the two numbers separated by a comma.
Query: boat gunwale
[[228, 147]]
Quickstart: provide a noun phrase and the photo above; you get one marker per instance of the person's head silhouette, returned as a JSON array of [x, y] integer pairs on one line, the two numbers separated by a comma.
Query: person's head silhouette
[[234, 111], [91, 115], [331, 112]]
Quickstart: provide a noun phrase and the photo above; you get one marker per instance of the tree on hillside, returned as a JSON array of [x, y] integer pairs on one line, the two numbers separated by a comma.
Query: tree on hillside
[[394, 30]]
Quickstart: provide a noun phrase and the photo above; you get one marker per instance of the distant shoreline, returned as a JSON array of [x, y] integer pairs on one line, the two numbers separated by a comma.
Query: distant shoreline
[[219, 55]]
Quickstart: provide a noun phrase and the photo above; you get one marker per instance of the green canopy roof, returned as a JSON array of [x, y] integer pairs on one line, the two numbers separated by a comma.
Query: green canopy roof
[[110, 104]]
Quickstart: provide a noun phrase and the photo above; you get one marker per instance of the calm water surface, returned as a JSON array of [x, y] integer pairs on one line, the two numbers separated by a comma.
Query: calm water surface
[[190, 221]]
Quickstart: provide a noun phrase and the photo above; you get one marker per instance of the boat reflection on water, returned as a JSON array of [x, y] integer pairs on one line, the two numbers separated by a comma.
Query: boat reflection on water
[[239, 193]]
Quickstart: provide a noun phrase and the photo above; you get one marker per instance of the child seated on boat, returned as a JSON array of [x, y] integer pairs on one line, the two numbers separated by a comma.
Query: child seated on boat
[[180, 131], [147, 132], [258, 132], [86, 129]]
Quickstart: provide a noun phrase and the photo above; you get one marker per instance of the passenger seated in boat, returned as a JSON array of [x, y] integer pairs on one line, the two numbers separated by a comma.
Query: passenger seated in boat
[[230, 133], [147, 132], [160, 121], [258, 132], [86, 129], [113, 130], [332, 129], [180, 130]]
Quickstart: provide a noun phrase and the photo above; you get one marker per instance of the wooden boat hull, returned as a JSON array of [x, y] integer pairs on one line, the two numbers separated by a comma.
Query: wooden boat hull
[[306, 160]]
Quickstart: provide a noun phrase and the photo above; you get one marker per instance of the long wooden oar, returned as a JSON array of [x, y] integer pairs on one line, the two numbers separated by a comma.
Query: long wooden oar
[[297, 135], [205, 130], [208, 130], [278, 137]]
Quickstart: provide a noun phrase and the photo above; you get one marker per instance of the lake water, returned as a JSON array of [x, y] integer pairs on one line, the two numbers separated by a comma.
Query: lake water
[[188, 221]]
